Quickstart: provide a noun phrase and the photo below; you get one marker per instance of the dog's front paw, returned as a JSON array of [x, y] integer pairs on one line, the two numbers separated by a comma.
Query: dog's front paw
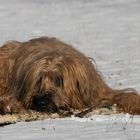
[[9, 105]]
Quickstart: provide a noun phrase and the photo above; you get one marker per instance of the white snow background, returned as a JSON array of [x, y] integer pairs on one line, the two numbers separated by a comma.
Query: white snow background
[[108, 31]]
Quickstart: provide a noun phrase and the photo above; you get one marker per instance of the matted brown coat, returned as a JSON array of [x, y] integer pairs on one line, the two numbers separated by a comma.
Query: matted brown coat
[[46, 74]]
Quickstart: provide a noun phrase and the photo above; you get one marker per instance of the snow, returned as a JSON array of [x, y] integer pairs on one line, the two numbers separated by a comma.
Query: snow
[[108, 31], [100, 127]]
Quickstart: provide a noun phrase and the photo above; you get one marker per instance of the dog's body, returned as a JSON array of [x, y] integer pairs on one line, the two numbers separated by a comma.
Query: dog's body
[[46, 74]]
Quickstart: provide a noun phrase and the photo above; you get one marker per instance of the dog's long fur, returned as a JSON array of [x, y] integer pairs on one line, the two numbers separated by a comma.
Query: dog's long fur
[[46, 74]]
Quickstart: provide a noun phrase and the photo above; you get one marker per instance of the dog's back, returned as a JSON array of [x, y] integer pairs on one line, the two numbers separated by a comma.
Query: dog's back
[[5, 52]]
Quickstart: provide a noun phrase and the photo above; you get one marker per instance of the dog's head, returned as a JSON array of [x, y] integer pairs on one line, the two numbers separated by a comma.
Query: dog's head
[[57, 82]]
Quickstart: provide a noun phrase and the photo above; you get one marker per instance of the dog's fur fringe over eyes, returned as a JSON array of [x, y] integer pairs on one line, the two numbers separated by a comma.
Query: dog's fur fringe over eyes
[[47, 75]]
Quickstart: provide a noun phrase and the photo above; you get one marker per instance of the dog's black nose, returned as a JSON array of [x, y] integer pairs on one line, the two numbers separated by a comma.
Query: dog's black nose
[[42, 101]]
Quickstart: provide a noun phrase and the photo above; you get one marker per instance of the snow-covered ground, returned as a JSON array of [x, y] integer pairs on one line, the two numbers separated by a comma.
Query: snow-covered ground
[[107, 30], [99, 128]]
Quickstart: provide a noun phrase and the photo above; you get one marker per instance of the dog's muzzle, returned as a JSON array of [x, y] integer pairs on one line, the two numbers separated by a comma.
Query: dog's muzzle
[[43, 102]]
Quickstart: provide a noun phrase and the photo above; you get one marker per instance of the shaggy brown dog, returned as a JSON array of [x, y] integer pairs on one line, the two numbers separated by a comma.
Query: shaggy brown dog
[[48, 75]]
